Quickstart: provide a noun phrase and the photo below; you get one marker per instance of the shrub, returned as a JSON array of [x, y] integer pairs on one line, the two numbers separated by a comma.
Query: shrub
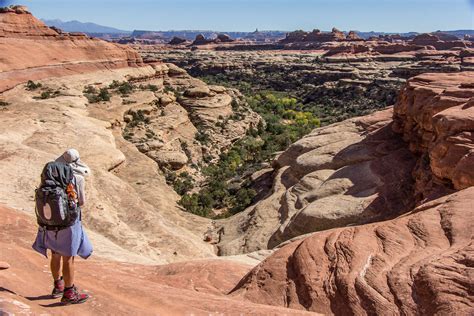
[[183, 183], [202, 137], [104, 95], [125, 88], [48, 94], [234, 104], [150, 87], [30, 85], [94, 96]]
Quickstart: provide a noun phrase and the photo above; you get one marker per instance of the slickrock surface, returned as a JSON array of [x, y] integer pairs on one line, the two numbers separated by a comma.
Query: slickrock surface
[[362, 170], [351, 172], [194, 287], [131, 210], [372, 215], [418, 264], [29, 50], [130, 204]]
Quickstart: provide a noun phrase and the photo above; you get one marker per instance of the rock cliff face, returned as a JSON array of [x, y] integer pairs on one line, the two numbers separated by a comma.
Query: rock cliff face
[[30, 50], [418, 263], [435, 114]]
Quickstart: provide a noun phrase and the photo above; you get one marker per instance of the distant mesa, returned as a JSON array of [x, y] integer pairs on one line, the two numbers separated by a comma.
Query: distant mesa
[[316, 36], [221, 38], [177, 41]]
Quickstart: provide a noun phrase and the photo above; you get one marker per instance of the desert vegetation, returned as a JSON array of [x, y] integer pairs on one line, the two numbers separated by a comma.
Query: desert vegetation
[[228, 189]]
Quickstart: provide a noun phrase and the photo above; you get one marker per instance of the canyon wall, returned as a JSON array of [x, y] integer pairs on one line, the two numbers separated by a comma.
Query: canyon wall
[[29, 50], [417, 263]]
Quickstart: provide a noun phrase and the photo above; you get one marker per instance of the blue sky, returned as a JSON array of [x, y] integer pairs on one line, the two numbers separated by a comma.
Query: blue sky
[[246, 15]]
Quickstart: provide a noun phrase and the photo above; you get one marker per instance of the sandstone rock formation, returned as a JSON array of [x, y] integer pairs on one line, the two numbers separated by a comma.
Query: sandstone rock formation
[[220, 38], [435, 115], [131, 211], [201, 40], [337, 175], [186, 123], [224, 38], [31, 51], [177, 41], [353, 36], [417, 263], [314, 36], [448, 42], [198, 287], [360, 171]]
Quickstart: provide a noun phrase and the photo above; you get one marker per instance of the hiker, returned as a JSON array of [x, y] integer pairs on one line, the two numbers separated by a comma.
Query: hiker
[[59, 201]]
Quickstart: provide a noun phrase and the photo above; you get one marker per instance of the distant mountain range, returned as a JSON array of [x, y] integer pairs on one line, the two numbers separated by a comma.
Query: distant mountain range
[[89, 28], [93, 29], [458, 33]]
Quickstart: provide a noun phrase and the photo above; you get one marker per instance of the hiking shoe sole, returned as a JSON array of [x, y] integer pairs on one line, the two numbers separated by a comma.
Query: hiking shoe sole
[[74, 302]]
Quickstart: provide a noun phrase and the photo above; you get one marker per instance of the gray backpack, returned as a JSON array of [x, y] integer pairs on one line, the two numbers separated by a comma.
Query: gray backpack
[[56, 198]]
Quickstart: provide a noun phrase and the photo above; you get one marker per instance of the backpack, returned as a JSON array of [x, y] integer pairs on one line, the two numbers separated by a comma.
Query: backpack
[[56, 198]]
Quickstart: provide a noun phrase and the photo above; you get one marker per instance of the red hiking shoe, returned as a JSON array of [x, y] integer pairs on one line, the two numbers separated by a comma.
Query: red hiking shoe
[[58, 289], [72, 296]]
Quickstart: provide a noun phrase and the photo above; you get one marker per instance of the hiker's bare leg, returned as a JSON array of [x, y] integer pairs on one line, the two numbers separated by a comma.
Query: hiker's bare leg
[[68, 271], [55, 265]]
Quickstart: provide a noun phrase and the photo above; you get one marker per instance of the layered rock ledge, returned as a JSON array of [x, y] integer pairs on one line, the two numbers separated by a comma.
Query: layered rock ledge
[[29, 50]]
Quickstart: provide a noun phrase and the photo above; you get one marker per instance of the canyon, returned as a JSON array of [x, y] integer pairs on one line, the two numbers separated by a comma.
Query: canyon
[[369, 214]]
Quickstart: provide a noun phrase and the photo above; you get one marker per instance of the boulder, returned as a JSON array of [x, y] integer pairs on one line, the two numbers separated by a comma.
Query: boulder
[[198, 92], [172, 159]]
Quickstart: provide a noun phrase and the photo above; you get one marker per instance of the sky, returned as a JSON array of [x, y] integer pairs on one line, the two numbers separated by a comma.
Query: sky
[[247, 15]]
